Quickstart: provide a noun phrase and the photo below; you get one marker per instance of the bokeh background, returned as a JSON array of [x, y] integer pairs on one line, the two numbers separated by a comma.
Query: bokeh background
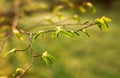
[[95, 57]]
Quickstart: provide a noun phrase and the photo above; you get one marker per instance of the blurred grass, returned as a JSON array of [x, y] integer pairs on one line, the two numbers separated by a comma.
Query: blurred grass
[[96, 57]]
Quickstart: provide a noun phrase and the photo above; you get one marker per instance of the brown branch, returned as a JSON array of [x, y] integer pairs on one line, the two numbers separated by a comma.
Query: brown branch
[[16, 13], [7, 35], [32, 55], [3, 44], [53, 30], [23, 49], [55, 23], [87, 26]]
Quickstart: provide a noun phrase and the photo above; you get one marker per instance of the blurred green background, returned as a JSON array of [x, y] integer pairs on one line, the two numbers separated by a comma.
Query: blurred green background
[[95, 57]]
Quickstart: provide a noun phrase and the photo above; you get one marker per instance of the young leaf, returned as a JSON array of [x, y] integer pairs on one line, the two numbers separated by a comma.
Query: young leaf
[[18, 72], [57, 9], [39, 33], [49, 20], [99, 25], [47, 58], [102, 23], [59, 15], [18, 34], [86, 33], [82, 9], [76, 17], [106, 19], [9, 52], [67, 34], [74, 34], [57, 32], [90, 5]]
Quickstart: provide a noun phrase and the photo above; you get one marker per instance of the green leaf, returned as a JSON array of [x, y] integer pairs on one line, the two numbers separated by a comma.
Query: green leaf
[[76, 17], [77, 34], [48, 58], [18, 72], [67, 34], [39, 33], [106, 19], [57, 32], [49, 20], [99, 25], [86, 33], [102, 23], [9, 52], [59, 15], [18, 34], [82, 9], [90, 5], [57, 9], [74, 34], [106, 24]]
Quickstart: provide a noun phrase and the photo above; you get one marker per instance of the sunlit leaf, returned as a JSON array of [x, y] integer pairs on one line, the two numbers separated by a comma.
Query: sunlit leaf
[[86, 33], [82, 9], [39, 33], [57, 32], [102, 23], [47, 58], [74, 34], [59, 15], [90, 5], [77, 34], [71, 5], [106, 19], [10, 52], [18, 34], [18, 72], [76, 17], [57, 9], [71, 34], [99, 25], [67, 34], [49, 20]]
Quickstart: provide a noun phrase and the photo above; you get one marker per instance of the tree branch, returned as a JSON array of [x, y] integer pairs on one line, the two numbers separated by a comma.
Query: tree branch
[[16, 13], [32, 55]]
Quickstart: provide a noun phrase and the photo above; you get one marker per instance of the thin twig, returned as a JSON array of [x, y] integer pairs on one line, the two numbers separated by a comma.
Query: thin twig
[[3, 44], [87, 26], [53, 30], [16, 14], [23, 49], [4, 41], [32, 55]]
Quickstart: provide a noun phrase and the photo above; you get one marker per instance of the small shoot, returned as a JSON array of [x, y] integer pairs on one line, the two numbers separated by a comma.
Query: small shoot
[[69, 3], [59, 15], [85, 6], [18, 34], [86, 33], [18, 72], [82, 9], [60, 30], [91, 6], [57, 9], [102, 23], [39, 33], [10, 52], [48, 58], [49, 20], [75, 34], [77, 18], [57, 32]]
